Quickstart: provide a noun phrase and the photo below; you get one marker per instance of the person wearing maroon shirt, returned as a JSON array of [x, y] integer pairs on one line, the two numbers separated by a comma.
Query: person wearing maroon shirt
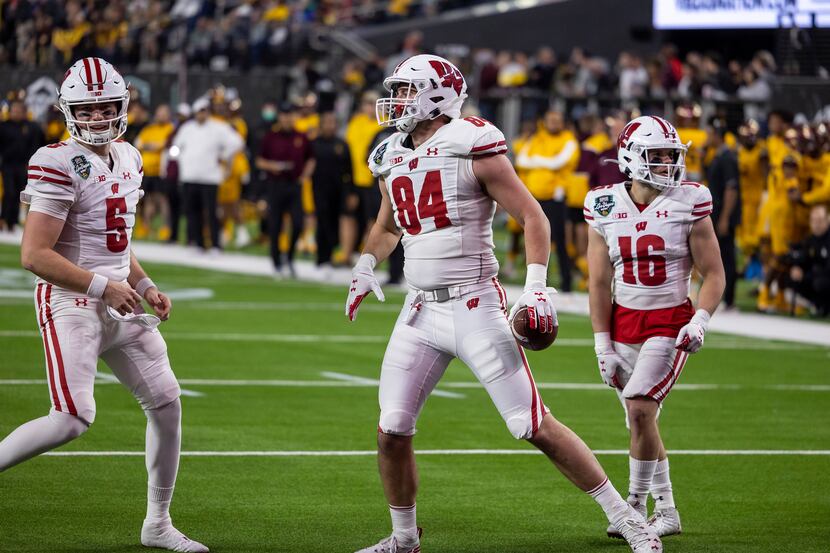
[[285, 157], [604, 168]]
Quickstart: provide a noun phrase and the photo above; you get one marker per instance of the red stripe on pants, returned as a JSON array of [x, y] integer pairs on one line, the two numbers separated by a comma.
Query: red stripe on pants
[[70, 405], [55, 400]]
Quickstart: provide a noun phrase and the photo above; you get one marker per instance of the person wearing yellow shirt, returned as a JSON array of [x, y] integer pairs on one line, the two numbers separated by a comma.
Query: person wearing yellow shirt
[[363, 201], [237, 174], [151, 142], [752, 182], [689, 131], [549, 159]]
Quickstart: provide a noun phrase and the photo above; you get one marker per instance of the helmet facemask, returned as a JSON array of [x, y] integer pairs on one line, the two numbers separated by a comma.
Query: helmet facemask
[[404, 113], [83, 131], [653, 171]]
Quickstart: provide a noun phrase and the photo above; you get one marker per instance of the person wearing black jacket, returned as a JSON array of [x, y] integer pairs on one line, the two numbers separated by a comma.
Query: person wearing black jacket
[[723, 178], [19, 140], [810, 271], [331, 180]]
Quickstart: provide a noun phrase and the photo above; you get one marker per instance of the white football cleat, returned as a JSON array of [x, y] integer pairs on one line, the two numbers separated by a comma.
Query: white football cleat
[[666, 522], [391, 545], [641, 509], [164, 536], [640, 536]]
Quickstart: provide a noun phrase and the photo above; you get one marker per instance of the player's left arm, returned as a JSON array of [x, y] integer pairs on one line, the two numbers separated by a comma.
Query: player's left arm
[[500, 181], [147, 289], [703, 245]]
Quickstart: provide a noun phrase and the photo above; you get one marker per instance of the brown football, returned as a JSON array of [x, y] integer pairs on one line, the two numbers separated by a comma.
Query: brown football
[[531, 339]]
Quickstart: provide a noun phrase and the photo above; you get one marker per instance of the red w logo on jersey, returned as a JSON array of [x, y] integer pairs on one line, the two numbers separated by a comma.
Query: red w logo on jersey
[[451, 77], [641, 226], [413, 164], [472, 303]]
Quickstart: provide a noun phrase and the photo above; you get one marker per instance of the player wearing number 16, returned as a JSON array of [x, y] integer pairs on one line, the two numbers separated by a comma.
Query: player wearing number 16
[[440, 179], [83, 195], [646, 234]]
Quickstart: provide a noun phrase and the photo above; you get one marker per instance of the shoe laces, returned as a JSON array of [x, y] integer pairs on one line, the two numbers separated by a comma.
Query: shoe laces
[[635, 532]]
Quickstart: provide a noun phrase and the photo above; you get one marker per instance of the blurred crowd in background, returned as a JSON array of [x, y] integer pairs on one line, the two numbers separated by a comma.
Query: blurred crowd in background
[[294, 179]]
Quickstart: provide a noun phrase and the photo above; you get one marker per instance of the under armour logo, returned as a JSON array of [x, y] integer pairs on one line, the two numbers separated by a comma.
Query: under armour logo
[[432, 151], [641, 226], [540, 296], [472, 303], [126, 175], [662, 214], [413, 164], [114, 188], [81, 302]]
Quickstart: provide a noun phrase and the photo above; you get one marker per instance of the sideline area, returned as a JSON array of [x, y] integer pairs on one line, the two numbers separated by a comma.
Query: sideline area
[[752, 325]]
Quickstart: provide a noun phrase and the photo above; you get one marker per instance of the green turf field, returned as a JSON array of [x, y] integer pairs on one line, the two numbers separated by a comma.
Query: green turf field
[[289, 334]]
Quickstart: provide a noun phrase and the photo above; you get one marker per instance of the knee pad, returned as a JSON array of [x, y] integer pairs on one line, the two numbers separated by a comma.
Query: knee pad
[[520, 427], [159, 386], [397, 422], [71, 425], [491, 356]]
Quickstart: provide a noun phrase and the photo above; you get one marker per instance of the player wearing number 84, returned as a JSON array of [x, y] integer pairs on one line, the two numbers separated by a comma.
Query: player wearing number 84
[[645, 236], [83, 195], [440, 179]]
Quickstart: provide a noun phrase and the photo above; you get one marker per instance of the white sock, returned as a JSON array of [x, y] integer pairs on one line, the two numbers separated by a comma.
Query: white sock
[[661, 486], [163, 444], [639, 480], [609, 499], [404, 527], [38, 436], [158, 503]]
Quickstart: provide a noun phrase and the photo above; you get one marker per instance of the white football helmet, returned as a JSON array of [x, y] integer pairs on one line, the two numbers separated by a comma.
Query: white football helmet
[[440, 90], [635, 152], [93, 81]]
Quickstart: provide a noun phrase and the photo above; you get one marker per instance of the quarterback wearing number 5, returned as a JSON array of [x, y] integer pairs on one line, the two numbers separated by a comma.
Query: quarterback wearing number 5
[[646, 234], [440, 179], [83, 195]]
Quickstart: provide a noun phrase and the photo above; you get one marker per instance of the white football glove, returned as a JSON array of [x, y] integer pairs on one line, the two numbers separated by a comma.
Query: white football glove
[[540, 310], [363, 282], [608, 360], [690, 338]]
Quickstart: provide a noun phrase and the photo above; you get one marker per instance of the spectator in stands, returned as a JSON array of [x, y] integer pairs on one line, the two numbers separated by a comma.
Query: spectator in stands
[[549, 159], [285, 156], [605, 170], [204, 145], [633, 76], [19, 140], [331, 179], [151, 142], [724, 184], [810, 271]]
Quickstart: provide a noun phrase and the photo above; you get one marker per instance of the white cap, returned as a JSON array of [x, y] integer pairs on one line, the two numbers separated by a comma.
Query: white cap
[[183, 109], [200, 104]]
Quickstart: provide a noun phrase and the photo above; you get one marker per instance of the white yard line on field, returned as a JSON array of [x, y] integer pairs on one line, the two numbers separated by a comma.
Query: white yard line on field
[[106, 378], [372, 453], [714, 343], [372, 382], [339, 380]]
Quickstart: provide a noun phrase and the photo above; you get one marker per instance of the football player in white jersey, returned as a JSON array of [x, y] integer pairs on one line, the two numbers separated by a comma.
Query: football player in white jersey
[[646, 234], [440, 179], [83, 195]]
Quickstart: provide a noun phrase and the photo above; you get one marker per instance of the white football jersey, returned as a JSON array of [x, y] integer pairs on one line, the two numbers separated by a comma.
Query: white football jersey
[[438, 203], [97, 232], [649, 249]]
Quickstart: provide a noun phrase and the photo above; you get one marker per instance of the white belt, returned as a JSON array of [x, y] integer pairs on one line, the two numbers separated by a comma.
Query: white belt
[[441, 295]]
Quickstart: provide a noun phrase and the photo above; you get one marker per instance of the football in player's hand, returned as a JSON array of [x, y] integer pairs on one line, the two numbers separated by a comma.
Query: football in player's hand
[[532, 339]]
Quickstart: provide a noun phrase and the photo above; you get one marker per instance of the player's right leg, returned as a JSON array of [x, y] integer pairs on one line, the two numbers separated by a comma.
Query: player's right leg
[[412, 366], [71, 336]]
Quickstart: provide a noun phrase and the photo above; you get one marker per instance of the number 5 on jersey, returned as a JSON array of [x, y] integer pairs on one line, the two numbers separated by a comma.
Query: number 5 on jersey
[[414, 216]]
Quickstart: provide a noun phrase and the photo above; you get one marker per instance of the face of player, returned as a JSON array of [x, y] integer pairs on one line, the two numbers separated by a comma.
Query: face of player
[[662, 156], [96, 116], [403, 92]]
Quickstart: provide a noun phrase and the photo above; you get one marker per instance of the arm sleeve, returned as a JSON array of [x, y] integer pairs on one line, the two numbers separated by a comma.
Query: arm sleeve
[[702, 202], [489, 142], [59, 209], [47, 177]]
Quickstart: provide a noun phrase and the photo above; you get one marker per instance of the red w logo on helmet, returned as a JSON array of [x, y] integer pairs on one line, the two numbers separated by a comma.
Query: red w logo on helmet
[[451, 76], [626, 133]]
